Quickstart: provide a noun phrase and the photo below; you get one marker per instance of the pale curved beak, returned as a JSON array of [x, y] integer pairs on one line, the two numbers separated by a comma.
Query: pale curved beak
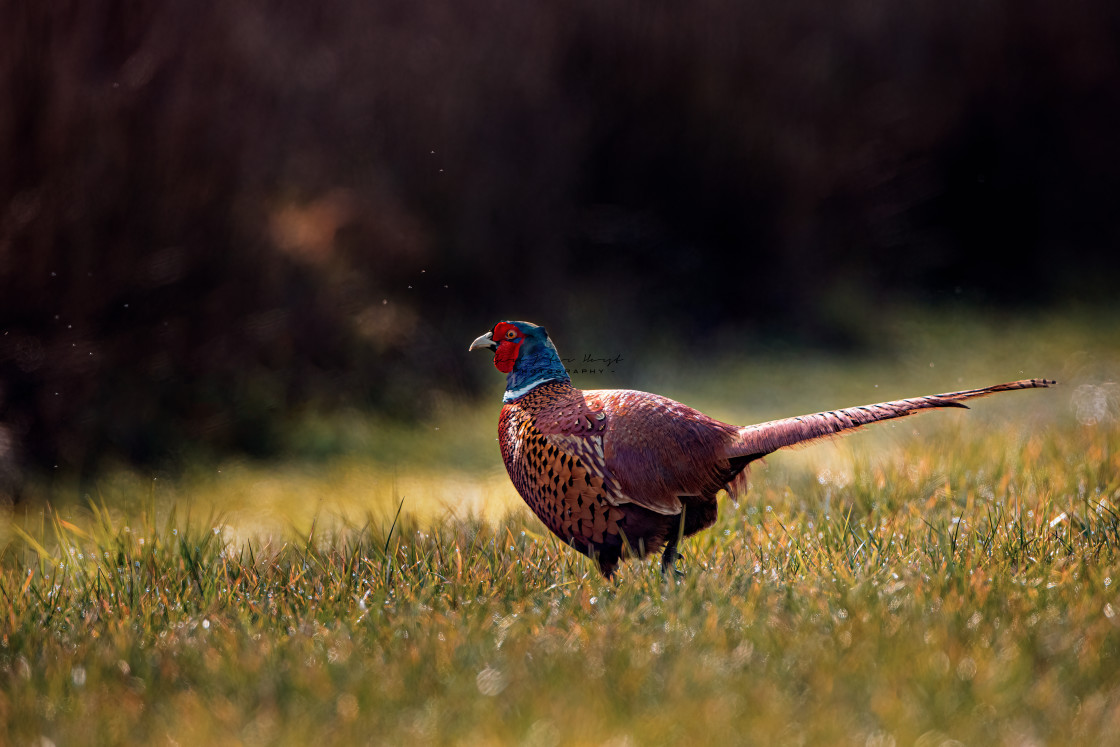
[[483, 341]]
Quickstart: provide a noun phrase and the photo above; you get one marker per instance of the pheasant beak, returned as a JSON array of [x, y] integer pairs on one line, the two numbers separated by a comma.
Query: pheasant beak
[[484, 341]]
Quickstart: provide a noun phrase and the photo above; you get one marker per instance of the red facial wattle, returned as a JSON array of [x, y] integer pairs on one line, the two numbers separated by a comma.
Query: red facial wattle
[[506, 354]]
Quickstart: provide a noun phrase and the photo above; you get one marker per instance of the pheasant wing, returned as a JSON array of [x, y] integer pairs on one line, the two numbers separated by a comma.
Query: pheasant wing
[[646, 449]]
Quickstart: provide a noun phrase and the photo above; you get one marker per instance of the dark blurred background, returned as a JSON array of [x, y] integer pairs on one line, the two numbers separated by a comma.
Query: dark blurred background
[[213, 213]]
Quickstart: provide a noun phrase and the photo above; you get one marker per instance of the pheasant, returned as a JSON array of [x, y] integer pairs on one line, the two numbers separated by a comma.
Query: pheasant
[[618, 473]]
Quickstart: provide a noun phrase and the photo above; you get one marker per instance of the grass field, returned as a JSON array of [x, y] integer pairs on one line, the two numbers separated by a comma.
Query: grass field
[[949, 578]]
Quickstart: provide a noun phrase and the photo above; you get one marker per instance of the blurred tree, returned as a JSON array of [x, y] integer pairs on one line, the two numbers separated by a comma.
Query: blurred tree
[[212, 213]]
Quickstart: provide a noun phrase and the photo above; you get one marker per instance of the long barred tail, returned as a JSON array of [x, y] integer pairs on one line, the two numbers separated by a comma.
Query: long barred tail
[[756, 441]]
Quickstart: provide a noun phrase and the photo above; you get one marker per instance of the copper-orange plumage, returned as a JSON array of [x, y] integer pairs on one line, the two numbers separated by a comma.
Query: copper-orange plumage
[[617, 473]]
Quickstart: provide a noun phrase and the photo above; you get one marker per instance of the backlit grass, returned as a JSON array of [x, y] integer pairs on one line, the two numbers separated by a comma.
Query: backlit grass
[[965, 592], [952, 576]]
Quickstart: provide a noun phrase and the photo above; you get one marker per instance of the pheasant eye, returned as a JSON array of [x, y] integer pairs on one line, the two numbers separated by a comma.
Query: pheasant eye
[[511, 334]]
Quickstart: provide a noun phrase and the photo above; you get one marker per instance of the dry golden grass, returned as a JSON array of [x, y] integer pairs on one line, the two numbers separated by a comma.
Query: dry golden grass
[[953, 577]]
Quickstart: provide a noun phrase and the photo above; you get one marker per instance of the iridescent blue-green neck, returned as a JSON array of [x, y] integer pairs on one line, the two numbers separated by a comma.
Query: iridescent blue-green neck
[[537, 362]]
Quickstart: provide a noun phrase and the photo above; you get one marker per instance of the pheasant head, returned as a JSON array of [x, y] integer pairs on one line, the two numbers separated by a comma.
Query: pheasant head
[[523, 352]]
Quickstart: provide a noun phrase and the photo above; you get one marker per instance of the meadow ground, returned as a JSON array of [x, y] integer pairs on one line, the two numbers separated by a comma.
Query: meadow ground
[[951, 576]]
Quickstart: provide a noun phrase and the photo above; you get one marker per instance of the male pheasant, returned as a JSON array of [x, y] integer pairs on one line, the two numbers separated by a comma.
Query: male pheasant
[[618, 473]]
